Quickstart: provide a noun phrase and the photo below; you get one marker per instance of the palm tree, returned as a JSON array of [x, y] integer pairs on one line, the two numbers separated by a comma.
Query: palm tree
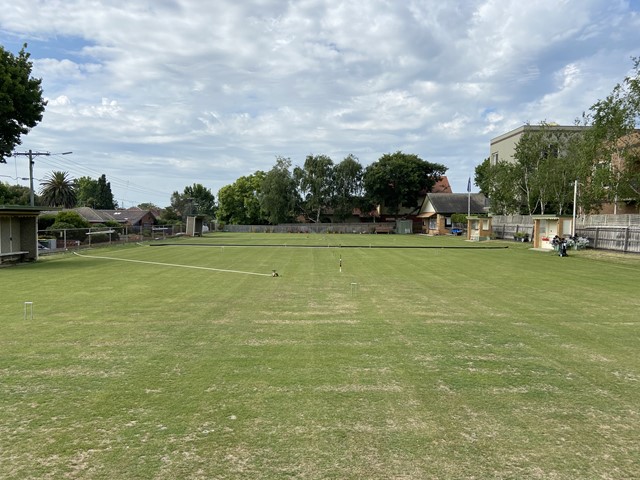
[[58, 190]]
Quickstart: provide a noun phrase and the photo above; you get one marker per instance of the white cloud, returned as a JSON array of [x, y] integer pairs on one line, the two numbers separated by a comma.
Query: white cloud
[[209, 91]]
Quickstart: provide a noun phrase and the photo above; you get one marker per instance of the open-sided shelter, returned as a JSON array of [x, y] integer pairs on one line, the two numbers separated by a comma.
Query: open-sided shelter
[[18, 233]]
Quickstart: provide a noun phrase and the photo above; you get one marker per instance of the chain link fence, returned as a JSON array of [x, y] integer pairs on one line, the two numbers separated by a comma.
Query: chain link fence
[[77, 238]]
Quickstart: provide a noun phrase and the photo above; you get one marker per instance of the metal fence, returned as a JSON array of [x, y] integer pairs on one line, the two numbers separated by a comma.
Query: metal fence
[[70, 238]]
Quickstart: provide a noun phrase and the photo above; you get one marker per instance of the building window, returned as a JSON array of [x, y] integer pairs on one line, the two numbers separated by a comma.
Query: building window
[[550, 151], [494, 158]]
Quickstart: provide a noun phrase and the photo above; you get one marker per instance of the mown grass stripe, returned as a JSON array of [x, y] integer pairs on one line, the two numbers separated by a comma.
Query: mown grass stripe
[[195, 267]]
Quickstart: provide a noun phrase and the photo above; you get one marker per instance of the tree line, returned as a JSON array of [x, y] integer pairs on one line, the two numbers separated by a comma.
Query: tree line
[[603, 158], [320, 188], [316, 191], [312, 192]]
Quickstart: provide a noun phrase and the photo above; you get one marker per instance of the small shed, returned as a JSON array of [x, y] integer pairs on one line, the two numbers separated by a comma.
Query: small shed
[[479, 228], [404, 226], [194, 225], [546, 227], [438, 208], [18, 233]]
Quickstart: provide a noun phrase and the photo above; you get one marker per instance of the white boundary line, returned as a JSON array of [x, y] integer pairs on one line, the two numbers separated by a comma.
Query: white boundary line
[[174, 265]]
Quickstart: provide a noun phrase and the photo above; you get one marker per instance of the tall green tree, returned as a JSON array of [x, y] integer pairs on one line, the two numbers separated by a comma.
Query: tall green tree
[[95, 193], [531, 152], [239, 203], [169, 216], [58, 190], [21, 102], [196, 199], [148, 206], [564, 171], [614, 120], [315, 185], [594, 175], [399, 179], [278, 197], [104, 195], [86, 192], [541, 179], [14, 194], [483, 178], [548, 162], [499, 183], [603, 158], [348, 188]]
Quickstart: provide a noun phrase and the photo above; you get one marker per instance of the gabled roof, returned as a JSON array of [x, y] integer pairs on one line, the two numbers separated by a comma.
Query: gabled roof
[[131, 215], [442, 186], [449, 203], [91, 215]]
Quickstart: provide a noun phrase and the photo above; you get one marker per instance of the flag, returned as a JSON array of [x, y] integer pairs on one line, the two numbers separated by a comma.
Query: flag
[[469, 185]]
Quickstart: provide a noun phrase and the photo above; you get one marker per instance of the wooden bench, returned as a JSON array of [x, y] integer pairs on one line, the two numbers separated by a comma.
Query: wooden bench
[[11, 257], [384, 229]]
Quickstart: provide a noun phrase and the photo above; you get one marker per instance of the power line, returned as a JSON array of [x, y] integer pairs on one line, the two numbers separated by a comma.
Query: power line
[[32, 154], [81, 170], [116, 181]]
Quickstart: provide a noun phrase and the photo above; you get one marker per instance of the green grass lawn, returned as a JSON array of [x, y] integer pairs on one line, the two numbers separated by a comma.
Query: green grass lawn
[[410, 363]]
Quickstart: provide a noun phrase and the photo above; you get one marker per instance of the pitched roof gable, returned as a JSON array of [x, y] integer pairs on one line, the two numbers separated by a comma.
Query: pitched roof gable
[[131, 216], [442, 186], [91, 215], [455, 203]]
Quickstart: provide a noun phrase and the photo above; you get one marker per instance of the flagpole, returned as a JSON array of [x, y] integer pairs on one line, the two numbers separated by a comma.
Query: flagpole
[[469, 198]]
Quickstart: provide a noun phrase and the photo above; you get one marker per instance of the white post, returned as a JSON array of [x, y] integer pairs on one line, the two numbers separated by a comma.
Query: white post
[[469, 197], [28, 307], [575, 201]]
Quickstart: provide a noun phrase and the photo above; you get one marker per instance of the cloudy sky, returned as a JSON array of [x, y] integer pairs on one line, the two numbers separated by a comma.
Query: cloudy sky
[[161, 94]]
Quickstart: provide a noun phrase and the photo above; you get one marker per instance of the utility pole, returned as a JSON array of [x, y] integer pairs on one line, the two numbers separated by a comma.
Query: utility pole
[[32, 154]]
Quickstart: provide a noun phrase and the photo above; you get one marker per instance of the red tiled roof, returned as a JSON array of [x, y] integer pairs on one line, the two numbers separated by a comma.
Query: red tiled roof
[[442, 186]]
